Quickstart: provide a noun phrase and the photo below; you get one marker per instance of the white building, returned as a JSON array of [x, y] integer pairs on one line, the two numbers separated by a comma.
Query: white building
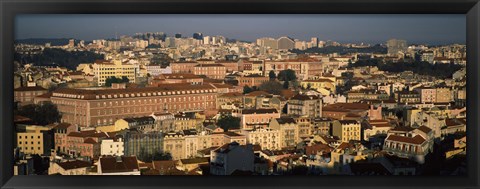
[[230, 157], [113, 147]]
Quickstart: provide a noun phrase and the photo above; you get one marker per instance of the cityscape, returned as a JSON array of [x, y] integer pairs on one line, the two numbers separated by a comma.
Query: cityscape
[[158, 103]]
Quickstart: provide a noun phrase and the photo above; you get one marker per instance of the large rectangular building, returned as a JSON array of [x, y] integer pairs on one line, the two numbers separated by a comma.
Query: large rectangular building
[[91, 108]]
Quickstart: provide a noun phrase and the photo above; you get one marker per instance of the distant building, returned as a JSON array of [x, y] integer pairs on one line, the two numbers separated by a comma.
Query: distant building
[[396, 46], [35, 140], [285, 43], [26, 95]]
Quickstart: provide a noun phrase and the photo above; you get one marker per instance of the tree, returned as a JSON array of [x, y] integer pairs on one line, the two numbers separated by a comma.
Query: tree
[[272, 75], [285, 109], [247, 89], [272, 87], [287, 75], [309, 86], [285, 85], [156, 156], [227, 122], [112, 79], [44, 114]]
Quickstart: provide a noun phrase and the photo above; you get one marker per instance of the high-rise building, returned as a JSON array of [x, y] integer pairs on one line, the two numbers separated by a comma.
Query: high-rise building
[[396, 46], [314, 41], [285, 43]]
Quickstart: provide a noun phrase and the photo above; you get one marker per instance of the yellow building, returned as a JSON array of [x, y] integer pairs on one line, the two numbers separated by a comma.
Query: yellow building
[[321, 85], [347, 130], [31, 141], [104, 69]]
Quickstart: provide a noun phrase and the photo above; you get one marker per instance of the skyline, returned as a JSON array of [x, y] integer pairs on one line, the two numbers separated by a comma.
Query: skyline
[[373, 29]]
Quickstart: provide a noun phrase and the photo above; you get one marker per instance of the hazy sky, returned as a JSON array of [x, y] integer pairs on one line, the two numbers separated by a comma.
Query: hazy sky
[[430, 29]]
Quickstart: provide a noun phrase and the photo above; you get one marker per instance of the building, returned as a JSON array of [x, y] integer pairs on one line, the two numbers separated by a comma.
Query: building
[[112, 147], [231, 157], [136, 142], [176, 78], [146, 123], [414, 144], [91, 108], [85, 143], [26, 95], [35, 140], [343, 110], [304, 68], [427, 94], [285, 43], [183, 66], [324, 86], [125, 165], [289, 131], [396, 46], [347, 130], [268, 139], [257, 118], [103, 69], [252, 80], [75, 167], [213, 71], [305, 105], [408, 97], [61, 132]]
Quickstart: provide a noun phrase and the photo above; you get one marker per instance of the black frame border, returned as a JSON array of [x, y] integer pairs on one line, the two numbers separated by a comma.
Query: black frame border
[[10, 8]]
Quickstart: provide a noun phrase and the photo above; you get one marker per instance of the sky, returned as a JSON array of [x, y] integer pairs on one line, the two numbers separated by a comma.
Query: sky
[[344, 28]]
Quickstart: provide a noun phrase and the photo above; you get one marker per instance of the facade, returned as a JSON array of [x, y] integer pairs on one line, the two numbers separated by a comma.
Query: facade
[[61, 132], [231, 157], [427, 94], [268, 139], [76, 167], [35, 140], [303, 68], [347, 130], [213, 71], [257, 118], [26, 95], [112, 147], [183, 67], [305, 105], [252, 80], [285, 43], [91, 108], [289, 131], [136, 142], [103, 69], [415, 144]]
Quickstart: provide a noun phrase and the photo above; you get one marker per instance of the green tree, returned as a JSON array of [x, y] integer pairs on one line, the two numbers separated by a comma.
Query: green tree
[[247, 89], [227, 122], [285, 85], [272, 87], [112, 79], [44, 114], [287, 75], [309, 86], [272, 75]]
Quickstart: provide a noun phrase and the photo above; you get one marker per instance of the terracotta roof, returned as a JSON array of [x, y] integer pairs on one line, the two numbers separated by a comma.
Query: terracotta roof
[[314, 149], [195, 160], [260, 111], [257, 93], [46, 95], [74, 164], [91, 94], [110, 164], [418, 139], [346, 106], [424, 129], [164, 165], [36, 88], [305, 97]]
